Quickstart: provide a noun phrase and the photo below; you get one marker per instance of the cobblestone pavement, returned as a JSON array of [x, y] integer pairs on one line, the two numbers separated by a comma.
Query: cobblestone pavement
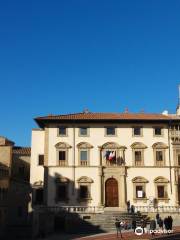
[[112, 236]]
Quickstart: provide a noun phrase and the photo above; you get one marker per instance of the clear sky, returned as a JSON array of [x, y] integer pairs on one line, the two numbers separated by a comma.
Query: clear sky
[[61, 56]]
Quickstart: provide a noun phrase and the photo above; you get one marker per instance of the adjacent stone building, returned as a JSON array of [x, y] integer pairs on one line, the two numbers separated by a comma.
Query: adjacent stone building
[[14, 186]]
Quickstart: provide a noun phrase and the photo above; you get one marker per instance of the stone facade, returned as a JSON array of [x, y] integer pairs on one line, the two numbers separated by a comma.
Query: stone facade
[[145, 167]]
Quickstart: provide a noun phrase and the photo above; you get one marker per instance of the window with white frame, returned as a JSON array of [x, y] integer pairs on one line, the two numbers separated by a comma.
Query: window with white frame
[[161, 185], [139, 188], [62, 149], [159, 154], [85, 188], [83, 131], [110, 131], [84, 153], [138, 149]]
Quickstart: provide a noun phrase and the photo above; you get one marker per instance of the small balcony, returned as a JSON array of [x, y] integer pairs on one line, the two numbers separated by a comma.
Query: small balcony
[[84, 163], [119, 161]]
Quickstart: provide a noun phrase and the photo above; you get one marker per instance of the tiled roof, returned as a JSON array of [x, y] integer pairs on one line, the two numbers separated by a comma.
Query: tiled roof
[[22, 150], [105, 116]]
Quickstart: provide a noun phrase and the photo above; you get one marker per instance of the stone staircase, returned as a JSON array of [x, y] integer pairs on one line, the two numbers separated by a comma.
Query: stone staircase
[[105, 221]]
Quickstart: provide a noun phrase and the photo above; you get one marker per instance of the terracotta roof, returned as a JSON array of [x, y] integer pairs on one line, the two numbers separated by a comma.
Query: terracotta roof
[[22, 150], [105, 116], [119, 117]]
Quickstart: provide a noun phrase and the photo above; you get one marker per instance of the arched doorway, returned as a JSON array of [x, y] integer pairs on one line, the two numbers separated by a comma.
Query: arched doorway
[[111, 193]]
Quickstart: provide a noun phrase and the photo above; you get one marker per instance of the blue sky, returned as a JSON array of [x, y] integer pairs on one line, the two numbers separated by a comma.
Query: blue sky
[[63, 56]]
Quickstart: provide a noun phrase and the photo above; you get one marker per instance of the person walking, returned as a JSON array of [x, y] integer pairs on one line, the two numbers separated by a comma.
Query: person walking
[[166, 223], [134, 224], [170, 222], [152, 227], [160, 223], [143, 224], [128, 206], [118, 228], [132, 209]]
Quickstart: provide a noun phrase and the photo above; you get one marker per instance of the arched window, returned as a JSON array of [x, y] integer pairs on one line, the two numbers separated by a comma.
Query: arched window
[[112, 154], [62, 153], [84, 185], [84, 153], [38, 193], [138, 153], [161, 188], [139, 188], [159, 149], [62, 187]]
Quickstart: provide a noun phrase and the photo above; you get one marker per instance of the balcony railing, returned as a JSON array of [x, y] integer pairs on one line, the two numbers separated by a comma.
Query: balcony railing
[[160, 209], [73, 209], [115, 162], [84, 163], [62, 163]]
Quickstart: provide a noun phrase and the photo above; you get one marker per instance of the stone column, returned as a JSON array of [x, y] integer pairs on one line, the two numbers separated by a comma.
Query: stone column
[[100, 186], [122, 193]]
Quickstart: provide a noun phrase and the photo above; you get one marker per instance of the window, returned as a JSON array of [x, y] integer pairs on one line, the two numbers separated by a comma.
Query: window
[[62, 150], [139, 191], [62, 155], [83, 131], [62, 131], [61, 194], [160, 192], [84, 184], [138, 156], [39, 196], [161, 186], [159, 155], [139, 188], [137, 131], [84, 192], [83, 155], [110, 131], [157, 131], [178, 159], [41, 160]]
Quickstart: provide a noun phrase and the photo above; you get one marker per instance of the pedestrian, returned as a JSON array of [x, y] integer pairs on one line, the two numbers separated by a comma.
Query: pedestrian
[[132, 208], [128, 206], [166, 223], [118, 228], [160, 223], [152, 226], [170, 222], [133, 224], [157, 218], [143, 224]]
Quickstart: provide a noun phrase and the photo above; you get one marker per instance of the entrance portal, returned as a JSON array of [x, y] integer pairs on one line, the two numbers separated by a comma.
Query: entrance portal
[[111, 193]]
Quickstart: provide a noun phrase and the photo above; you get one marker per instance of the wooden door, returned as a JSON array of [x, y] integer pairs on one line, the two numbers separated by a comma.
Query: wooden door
[[111, 193]]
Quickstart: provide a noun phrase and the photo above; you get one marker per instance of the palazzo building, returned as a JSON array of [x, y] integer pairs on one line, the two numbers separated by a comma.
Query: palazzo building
[[106, 159]]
